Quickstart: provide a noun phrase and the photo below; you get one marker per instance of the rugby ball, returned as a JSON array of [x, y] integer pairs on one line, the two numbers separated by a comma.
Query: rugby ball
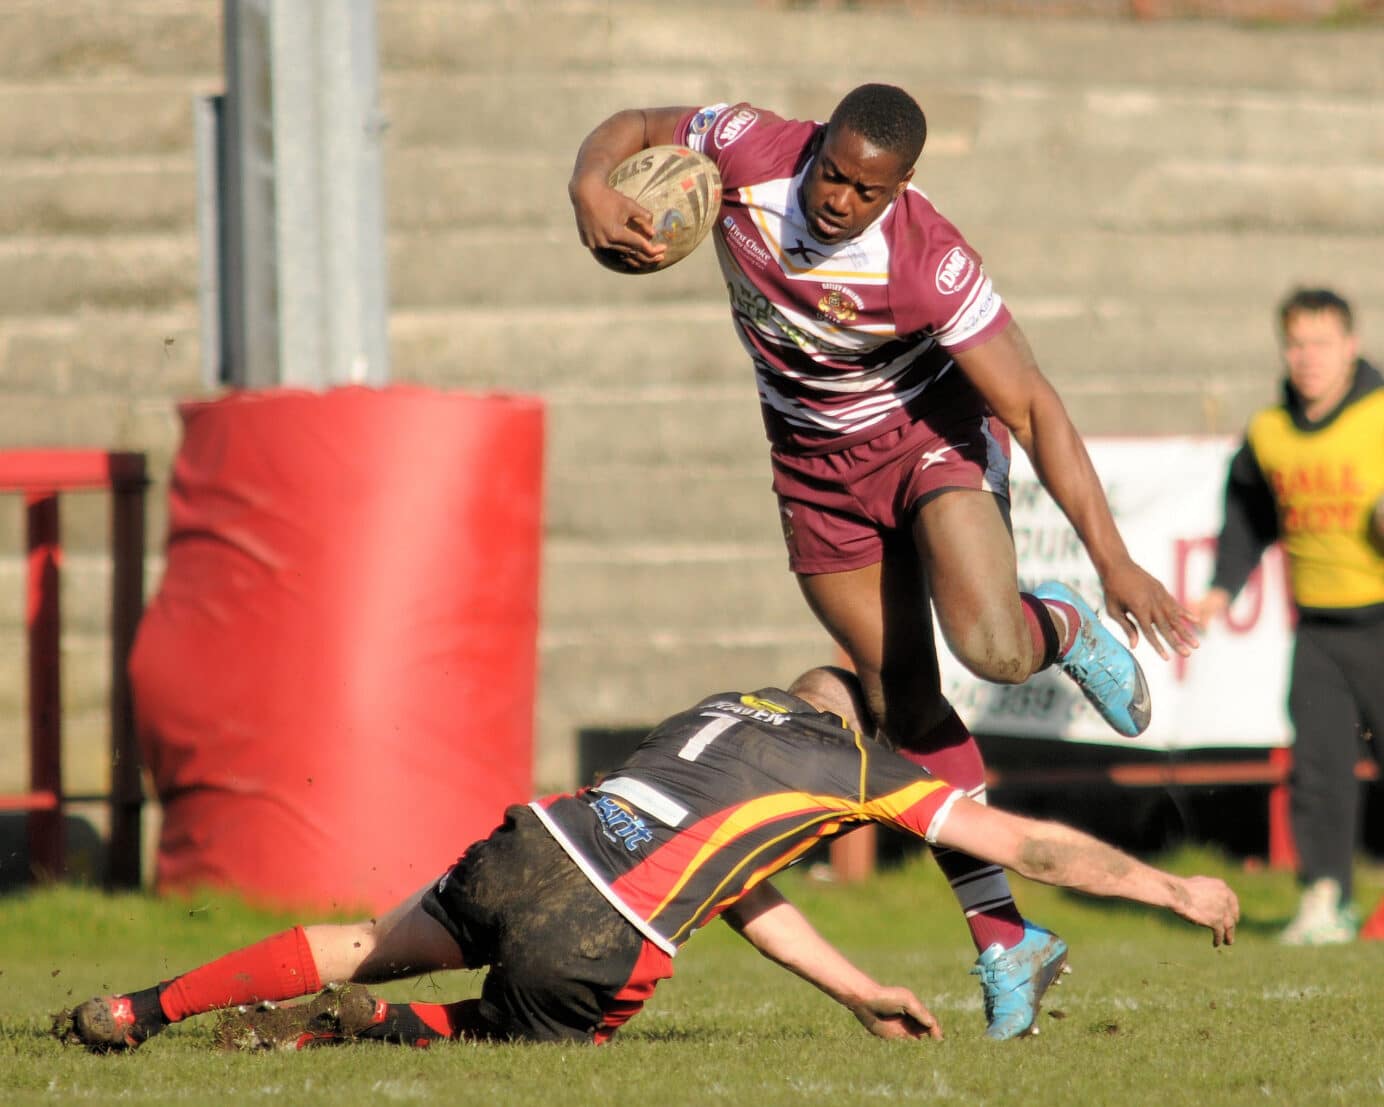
[[681, 190]]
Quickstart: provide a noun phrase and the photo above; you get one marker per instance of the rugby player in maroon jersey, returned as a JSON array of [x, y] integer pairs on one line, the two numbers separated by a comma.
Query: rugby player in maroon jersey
[[891, 377]]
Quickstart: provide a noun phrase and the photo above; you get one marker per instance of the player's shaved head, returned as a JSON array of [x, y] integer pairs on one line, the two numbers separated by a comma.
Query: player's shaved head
[[830, 688], [887, 117]]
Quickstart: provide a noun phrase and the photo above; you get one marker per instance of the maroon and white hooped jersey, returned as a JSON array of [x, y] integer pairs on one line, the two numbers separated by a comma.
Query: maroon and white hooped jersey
[[846, 338]]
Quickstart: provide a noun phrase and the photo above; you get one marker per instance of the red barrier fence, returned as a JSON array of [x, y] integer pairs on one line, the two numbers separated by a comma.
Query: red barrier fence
[[40, 476]]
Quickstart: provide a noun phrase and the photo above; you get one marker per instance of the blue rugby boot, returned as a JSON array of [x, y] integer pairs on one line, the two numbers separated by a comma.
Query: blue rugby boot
[[1105, 671], [1013, 981]]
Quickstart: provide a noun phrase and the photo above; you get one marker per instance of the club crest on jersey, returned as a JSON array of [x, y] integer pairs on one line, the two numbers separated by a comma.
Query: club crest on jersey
[[955, 271], [839, 304], [733, 126]]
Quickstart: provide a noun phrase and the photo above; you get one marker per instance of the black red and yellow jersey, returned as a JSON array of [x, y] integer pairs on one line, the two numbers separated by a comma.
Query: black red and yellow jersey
[[724, 795]]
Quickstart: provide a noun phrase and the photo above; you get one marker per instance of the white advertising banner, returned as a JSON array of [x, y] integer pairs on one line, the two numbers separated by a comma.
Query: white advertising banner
[[1166, 494]]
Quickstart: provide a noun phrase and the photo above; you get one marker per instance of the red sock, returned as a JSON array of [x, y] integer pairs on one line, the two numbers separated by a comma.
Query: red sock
[[420, 1024], [279, 967], [1048, 645], [950, 753]]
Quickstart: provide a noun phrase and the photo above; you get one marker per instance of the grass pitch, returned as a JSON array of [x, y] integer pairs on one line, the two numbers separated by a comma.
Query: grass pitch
[[1150, 1013]]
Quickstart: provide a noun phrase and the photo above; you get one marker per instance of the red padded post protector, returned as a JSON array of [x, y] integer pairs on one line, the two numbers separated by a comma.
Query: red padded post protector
[[334, 685]]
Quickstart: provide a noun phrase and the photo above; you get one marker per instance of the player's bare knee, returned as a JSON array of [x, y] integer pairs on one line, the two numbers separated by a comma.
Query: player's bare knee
[[998, 655]]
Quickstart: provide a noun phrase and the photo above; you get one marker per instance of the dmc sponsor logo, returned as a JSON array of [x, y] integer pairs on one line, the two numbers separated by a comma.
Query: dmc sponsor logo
[[733, 126], [955, 271], [734, 236]]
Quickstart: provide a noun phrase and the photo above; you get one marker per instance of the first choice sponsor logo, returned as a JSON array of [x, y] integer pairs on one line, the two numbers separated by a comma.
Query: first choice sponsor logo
[[734, 236], [733, 126], [954, 271]]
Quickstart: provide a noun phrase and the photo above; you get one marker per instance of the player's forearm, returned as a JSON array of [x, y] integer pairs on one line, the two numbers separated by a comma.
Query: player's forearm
[[623, 134], [1061, 855], [782, 933], [1064, 467]]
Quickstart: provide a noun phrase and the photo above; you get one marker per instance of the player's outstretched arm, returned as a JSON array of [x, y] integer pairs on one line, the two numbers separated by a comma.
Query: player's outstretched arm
[[607, 219], [780, 931], [1005, 372], [1055, 854]]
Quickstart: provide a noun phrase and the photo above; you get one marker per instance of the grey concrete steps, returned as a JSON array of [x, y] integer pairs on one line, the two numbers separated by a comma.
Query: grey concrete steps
[[143, 351], [617, 504], [90, 196], [590, 588], [106, 117], [634, 680], [52, 274], [82, 38]]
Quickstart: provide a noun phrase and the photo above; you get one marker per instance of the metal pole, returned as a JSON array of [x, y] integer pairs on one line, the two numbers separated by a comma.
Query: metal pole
[[303, 260]]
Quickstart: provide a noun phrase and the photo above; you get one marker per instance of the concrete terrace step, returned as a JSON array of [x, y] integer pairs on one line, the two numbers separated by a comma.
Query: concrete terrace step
[[83, 118], [583, 350], [590, 589], [595, 34], [88, 196], [48, 275], [154, 38], [634, 679], [83, 38], [966, 112], [145, 352], [617, 504]]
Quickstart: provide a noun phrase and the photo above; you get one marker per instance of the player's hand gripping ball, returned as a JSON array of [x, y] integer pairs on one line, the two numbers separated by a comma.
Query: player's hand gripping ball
[[681, 190]]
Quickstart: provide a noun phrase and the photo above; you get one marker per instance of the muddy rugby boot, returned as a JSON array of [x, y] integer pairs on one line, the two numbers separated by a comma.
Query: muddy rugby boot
[[1013, 981], [109, 1024], [338, 1014]]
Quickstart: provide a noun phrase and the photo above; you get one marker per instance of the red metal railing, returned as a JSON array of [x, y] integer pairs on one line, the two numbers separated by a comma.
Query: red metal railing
[[41, 476]]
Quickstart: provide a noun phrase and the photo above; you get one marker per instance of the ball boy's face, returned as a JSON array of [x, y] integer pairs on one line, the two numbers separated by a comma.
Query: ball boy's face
[[1320, 355]]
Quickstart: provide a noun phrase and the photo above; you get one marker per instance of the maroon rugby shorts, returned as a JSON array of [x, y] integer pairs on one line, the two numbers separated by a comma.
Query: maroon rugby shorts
[[835, 508]]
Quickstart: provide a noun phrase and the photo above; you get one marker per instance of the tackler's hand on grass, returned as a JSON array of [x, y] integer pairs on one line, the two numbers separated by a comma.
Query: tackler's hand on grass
[[893, 1013], [1211, 903]]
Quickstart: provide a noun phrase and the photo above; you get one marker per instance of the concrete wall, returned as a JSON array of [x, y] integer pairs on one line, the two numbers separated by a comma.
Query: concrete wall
[[1142, 193]]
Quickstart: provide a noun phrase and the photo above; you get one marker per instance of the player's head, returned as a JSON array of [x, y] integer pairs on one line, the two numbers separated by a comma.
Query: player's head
[[837, 690], [1319, 346], [864, 158]]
